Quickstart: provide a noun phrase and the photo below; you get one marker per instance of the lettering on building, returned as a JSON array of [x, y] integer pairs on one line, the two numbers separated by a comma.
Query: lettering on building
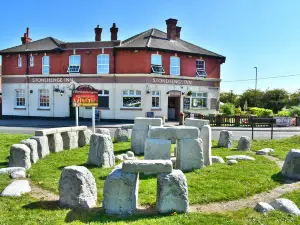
[[172, 81], [51, 80]]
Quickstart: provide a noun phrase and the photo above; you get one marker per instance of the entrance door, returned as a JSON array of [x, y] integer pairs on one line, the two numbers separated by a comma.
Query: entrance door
[[72, 109], [173, 108]]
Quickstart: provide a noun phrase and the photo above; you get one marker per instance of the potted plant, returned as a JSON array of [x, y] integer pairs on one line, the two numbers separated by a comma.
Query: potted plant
[[189, 93]]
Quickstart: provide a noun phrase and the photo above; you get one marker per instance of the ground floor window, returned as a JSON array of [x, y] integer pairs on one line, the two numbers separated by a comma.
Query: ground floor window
[[20, 98], [103, 99], [132, 99], [155, 99], [199, 100], [44, 100]]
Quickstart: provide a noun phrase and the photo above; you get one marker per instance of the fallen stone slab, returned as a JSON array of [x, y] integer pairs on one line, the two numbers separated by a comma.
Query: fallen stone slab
[[43, 146], [244, 144], [18, 174], [32, 144], [121, 135], [205, 135], [157, 149], [84, 137], [147, 166], [240, 157], [225, 139], [16, 188], [172, 193], [70, 140], [77, 188], [217, 159], [19, 156], [103, 131], [232, 162], [264, 151], [285, 205], [170, 133], [148, 121], [120, 192], [10, 170], [101, 151], [263, 207]]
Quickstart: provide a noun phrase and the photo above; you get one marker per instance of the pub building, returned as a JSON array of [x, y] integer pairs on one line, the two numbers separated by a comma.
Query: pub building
[[153, 73]]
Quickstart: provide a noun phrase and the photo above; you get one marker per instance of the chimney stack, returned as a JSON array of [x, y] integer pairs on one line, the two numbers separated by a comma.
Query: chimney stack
[[114, 32], [171, 28], [98, 31], [26, 39], [178, 29]]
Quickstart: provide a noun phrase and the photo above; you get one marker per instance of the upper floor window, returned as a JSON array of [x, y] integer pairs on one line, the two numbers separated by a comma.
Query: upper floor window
[[156, 64], [132, 99], [74, 64], [19, 61], [20, 98], [44, 99], [103, 99], [46, 64], [155, 99], [199, 100], [103, 64], [200, 68], [31, 61], [174, 65]]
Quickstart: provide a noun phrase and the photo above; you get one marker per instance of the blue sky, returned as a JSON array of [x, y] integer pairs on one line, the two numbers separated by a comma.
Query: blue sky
[[249, 33]]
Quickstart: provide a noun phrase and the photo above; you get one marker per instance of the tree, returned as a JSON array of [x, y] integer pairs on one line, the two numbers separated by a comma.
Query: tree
[[294, 99], [253, 98], [275, 99], [228, 97]]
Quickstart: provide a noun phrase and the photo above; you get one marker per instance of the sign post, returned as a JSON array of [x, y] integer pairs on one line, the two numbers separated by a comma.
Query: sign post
[[77, 123], [85, 96]]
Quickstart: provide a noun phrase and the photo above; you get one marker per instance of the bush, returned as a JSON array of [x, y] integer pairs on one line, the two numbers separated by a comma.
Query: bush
[[227, 109], [238, 110], [261, 111], [284, 113], [295, 110]]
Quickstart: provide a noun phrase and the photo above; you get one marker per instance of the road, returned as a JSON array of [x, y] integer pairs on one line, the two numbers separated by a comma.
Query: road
[[262, 134]]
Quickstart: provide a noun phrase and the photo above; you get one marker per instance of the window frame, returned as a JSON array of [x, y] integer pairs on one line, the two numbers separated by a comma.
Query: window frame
[[31, 60], [79, 65], [39, 96], [19, 61], [131, 95], [156, 65], [18, 97], [199, 95], [103, 95], [178, 66], [43, 65], [99, 64], [155, 95], [201, 70]]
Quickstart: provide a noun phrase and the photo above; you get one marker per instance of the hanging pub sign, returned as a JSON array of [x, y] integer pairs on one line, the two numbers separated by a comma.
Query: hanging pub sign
[[85, 96]]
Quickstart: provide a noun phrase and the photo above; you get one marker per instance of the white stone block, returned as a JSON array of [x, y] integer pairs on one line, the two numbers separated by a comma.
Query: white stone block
[[77, 188], [205, 135], [225, 139], [147, 166], [189, 154], [101, 151], [120, 192], [10, 170], [19, 156], [157, 149], [55, 142], [285, 205], [138, 138], [32, 144], [42, 145], [199, 123], [291, 166], [45, 132], [121, 135], [169, 133], [244, 144], [172, 193], [84, 137], [70, 140], [148, 121], [16, 188], [103, 131]]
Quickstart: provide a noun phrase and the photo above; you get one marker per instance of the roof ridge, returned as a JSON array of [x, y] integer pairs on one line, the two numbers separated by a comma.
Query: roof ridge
[[149, 40], [135, 37], [55, 41]]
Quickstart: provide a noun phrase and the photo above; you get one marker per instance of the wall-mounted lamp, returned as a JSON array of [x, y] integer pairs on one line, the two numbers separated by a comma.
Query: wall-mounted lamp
[[148, 91], [57, 89]]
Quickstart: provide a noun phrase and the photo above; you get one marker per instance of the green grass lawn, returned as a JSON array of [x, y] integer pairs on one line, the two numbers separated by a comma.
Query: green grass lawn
[[214, 183]]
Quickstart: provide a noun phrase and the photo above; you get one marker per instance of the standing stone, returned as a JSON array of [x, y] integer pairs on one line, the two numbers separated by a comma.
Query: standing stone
[[84, 137], [291, 166], [103, 131], [285, 205], [42, 145], [157, 149], [32, 144], [189, 154], [121, 135], [120, 192], [225, 139], [264, 151], [19, 156], [77, 188], [205, 135], [101, 151], [16, 188], [139, 135], [244, 144], [55, 142], [172, 192], [70, 139], [199, 123]]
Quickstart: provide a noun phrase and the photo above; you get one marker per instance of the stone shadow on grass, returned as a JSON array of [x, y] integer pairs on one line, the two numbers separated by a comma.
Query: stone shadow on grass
[[3, 164], [84, 164], [277, 177], [46, 205]]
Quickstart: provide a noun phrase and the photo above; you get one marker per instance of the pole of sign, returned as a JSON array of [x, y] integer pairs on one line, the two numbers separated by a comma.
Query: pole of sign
[[93, 119], [76, 116]]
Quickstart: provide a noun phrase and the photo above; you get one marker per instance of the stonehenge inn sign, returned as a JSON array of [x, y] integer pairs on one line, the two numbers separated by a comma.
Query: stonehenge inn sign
[[85, 96]]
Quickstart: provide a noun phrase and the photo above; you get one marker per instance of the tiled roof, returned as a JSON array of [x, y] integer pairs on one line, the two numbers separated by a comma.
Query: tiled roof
[[157, 39], [92, 44]]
